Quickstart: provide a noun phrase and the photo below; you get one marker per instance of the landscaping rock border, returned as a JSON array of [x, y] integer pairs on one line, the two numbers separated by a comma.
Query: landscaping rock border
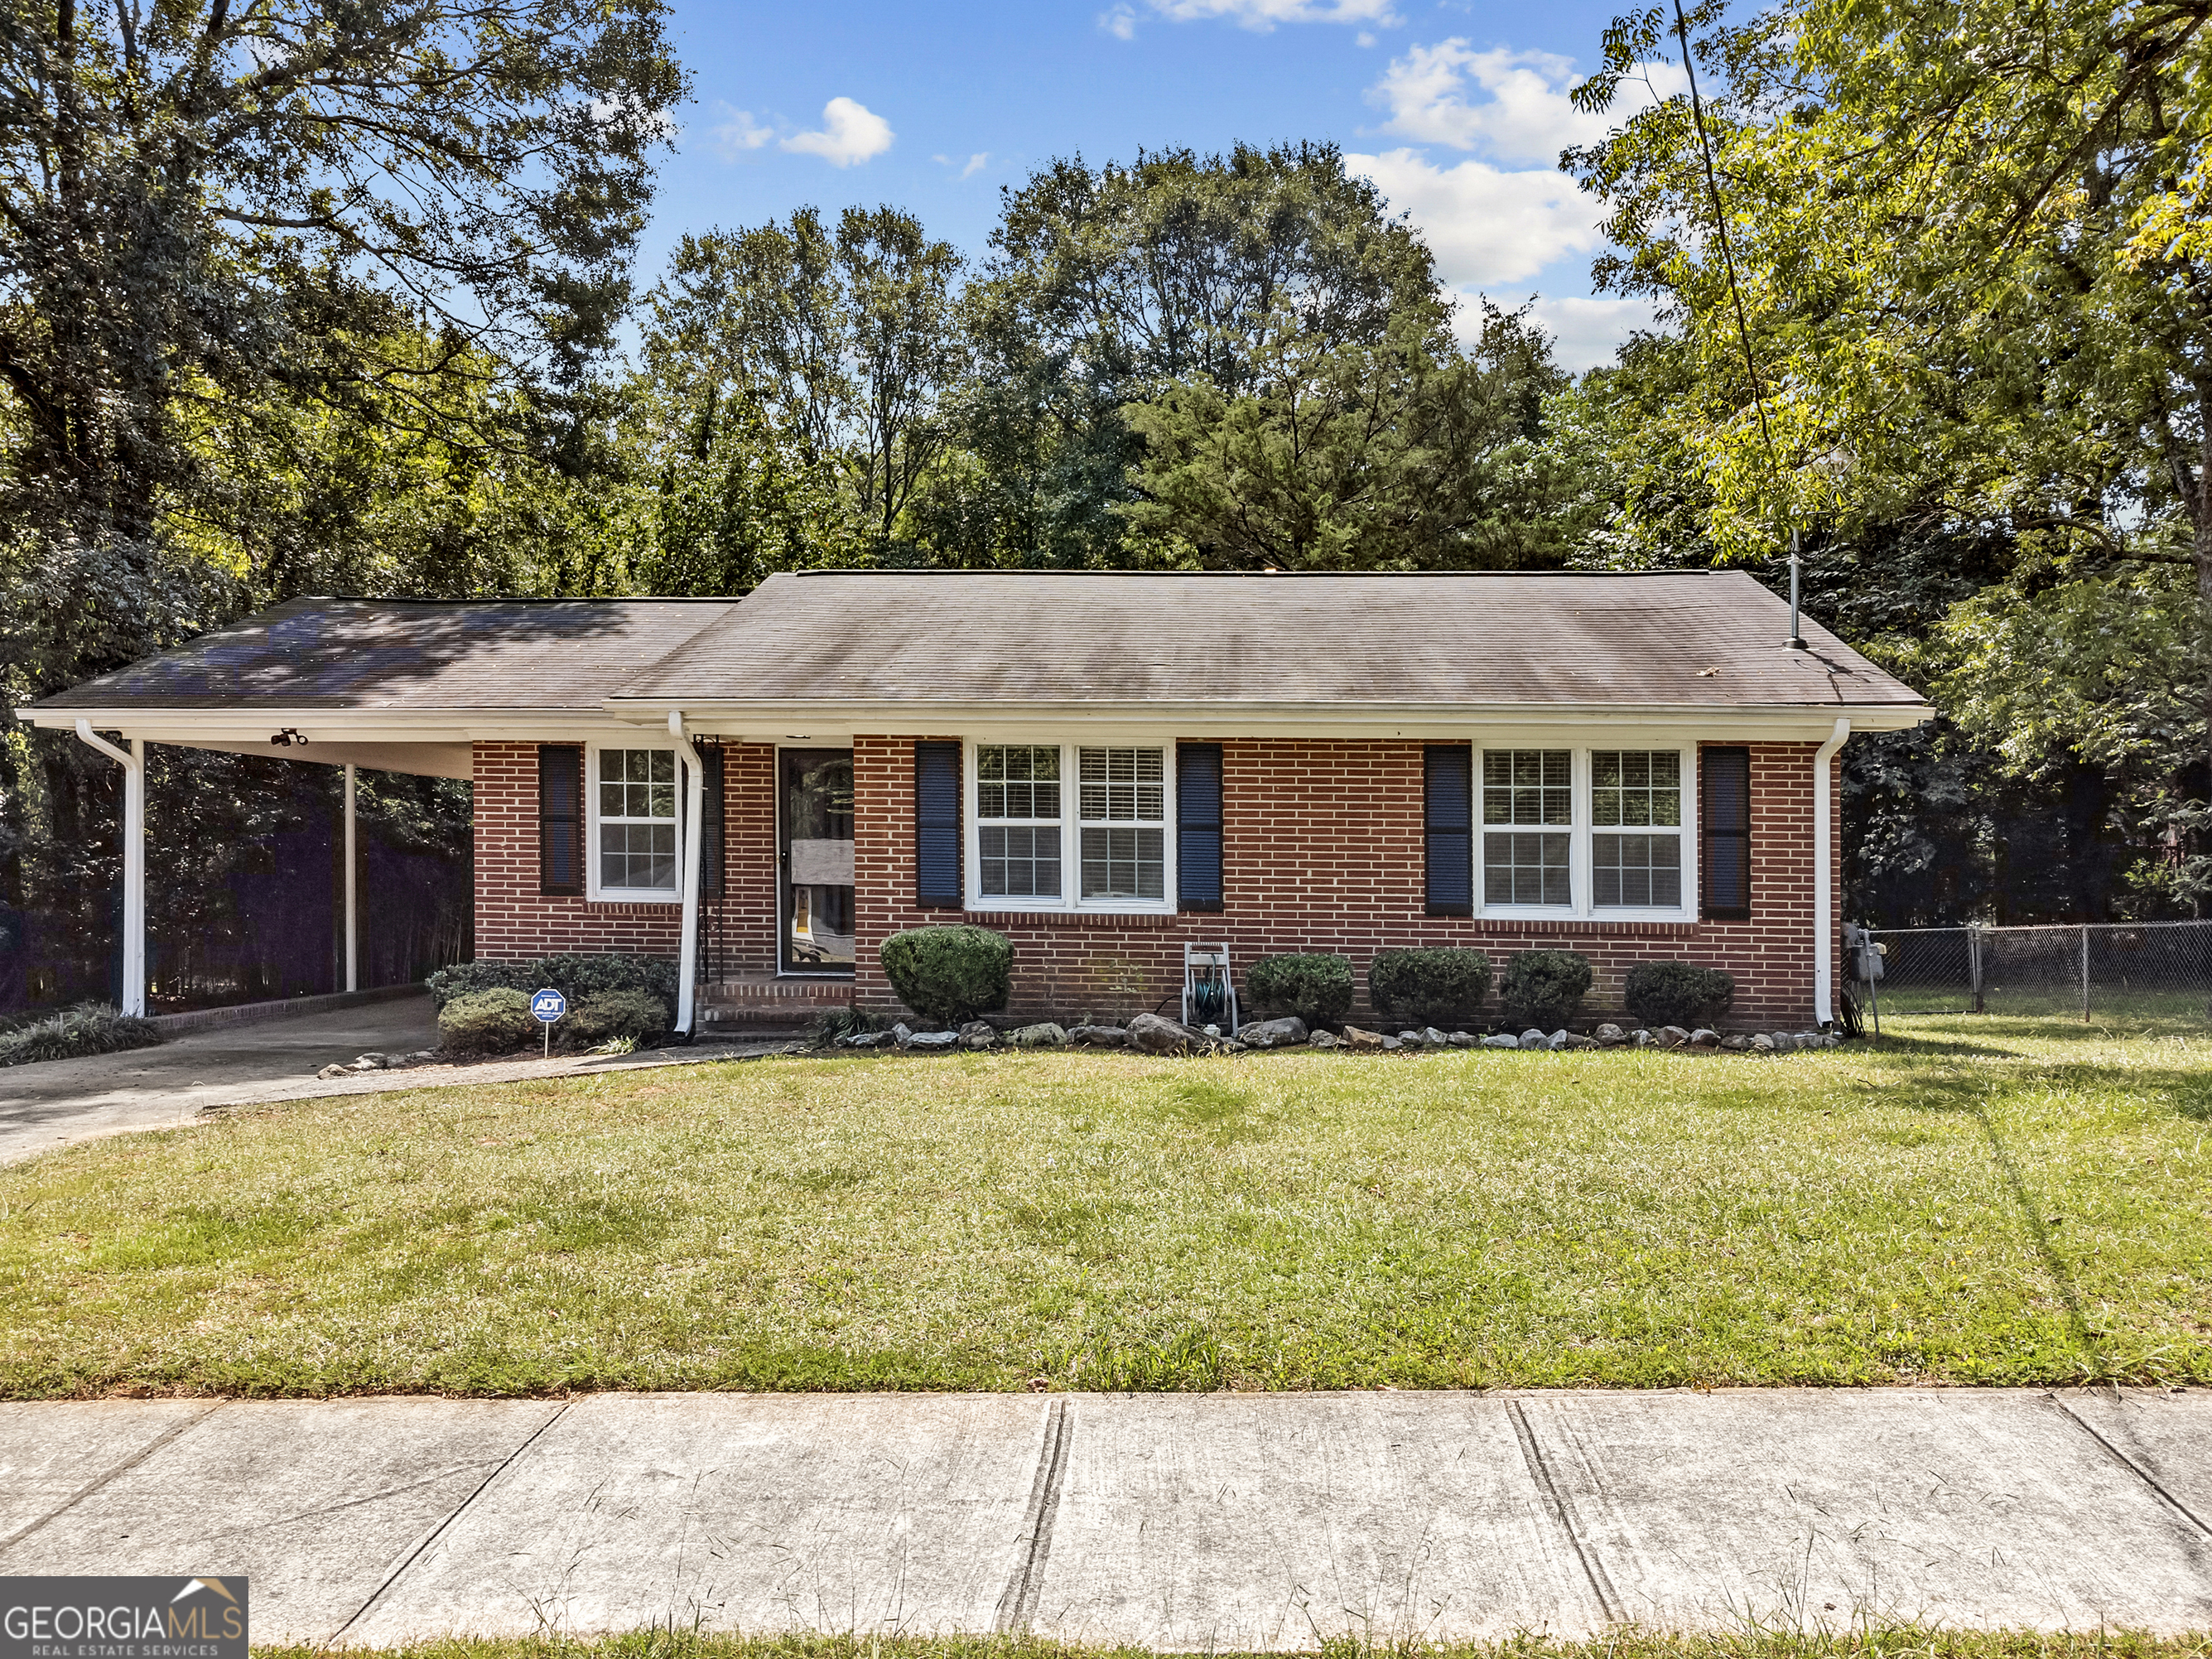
[[1155, 1034]]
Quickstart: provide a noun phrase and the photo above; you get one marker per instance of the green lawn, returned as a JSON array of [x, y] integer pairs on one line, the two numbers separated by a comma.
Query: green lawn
[[1978, 1200]]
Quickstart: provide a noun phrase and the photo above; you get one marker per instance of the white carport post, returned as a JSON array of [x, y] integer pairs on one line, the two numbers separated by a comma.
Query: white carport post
[[352, 937], [133, 763]]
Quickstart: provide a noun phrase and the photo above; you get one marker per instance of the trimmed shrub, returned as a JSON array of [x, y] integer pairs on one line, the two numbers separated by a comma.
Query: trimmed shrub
[[576, 974], [638, 1015], [90, 1028], [490, 1022], [1442, 987], [1544, 987], [1678, 993], [1315, 988], [950, 974]]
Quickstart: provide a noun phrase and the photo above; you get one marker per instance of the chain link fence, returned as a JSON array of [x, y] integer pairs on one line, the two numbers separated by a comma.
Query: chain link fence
[[2136, 970]]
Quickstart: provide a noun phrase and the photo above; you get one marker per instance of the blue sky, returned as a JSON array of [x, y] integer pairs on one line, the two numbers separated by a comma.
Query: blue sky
[[1457, 111]]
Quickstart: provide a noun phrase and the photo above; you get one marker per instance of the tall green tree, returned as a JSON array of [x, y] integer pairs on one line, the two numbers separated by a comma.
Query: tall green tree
[[847, 340], [1108, 285], [223, 226], [1973, 304], [1405, 455]]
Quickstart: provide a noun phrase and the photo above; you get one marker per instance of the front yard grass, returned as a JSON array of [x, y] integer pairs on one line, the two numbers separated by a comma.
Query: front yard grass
[[1979, 1201]]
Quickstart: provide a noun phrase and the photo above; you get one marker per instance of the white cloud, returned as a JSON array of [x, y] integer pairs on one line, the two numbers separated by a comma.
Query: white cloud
[[1120, 23], [851, 133], [1587, 332], [976, 163], [1485, 225], [1526, 115], [1263, 14], [736, 132]]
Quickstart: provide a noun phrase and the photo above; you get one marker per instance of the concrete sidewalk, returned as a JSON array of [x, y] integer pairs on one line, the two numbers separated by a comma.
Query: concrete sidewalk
[[173, 1086], [1182, 1521]]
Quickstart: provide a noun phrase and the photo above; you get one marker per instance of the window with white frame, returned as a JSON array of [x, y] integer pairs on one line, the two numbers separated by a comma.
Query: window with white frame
[[1121, 796], [1589, 832], [1071, 826], [634, 797], [1017, 820], [1528, 827], [1635, 836]]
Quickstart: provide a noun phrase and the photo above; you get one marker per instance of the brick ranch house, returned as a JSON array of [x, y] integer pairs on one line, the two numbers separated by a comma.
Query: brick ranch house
[[1104, 767]]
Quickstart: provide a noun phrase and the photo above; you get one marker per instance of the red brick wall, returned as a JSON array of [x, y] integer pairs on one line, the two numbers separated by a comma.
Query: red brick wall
[[747, 916], [1323, 851], [514, 919]]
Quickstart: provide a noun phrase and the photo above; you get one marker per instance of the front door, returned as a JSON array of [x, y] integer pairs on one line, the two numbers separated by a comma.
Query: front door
[[814, 836]]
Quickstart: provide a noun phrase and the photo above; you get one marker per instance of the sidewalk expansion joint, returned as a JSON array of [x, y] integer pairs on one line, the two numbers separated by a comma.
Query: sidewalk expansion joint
[[438, 1531], [1018, 1603], [2133, 1468], [1540, 1470], [98, 1481]]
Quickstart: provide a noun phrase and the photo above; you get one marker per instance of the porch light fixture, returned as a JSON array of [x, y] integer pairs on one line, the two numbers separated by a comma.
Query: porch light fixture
[[286, 737]]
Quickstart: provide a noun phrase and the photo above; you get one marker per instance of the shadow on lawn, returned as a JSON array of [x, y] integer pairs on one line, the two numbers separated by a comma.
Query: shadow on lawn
[[1972, 1093]]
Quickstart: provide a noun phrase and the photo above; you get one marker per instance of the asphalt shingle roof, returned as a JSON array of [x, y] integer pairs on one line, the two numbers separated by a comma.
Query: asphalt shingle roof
[[1688, 638], [408, 655], [1678, 638]]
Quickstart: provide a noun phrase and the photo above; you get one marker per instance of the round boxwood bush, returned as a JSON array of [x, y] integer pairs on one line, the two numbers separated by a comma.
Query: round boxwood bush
[[488, 1022], [1678, 993], [1441, 987], [638, 1015], [950, 974], [1544, 987], [1317, 988]]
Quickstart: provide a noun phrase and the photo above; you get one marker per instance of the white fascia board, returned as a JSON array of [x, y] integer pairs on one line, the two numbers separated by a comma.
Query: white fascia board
[[230, 725], [823, 722]]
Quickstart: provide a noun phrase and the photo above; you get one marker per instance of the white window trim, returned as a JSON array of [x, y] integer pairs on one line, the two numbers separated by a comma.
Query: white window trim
[[1071, 830], [1581, 883], [593, 890]]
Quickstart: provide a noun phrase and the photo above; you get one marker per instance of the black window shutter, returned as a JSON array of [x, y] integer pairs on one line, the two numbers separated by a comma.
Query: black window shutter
[[1198, 826], [1725, 819], [1448, 794], [710, 822], [560, 818], [937, 824]]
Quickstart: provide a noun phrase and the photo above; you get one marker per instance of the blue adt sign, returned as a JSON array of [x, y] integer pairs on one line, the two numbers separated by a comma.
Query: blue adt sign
[[548, 1005]]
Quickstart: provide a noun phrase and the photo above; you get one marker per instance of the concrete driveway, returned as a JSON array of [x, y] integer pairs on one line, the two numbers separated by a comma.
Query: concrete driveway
[[1183, 1523], [58, 1102]]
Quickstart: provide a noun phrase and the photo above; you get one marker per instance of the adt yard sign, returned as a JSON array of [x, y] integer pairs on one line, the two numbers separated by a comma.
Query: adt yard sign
[[548, 1005]]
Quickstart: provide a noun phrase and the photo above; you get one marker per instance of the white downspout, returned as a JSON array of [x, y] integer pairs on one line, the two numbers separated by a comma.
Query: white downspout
[[133, 763], [352, 936], [694, 811], [1824, 898]]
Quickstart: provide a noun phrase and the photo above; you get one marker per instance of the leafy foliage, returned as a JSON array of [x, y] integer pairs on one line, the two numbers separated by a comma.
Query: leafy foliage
[[1442, 986], [1544, 987], [1312, 986], [496, 1021], [575, 974], [90, 1028], [1678, 993], [950, 974], [640, 1017]]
